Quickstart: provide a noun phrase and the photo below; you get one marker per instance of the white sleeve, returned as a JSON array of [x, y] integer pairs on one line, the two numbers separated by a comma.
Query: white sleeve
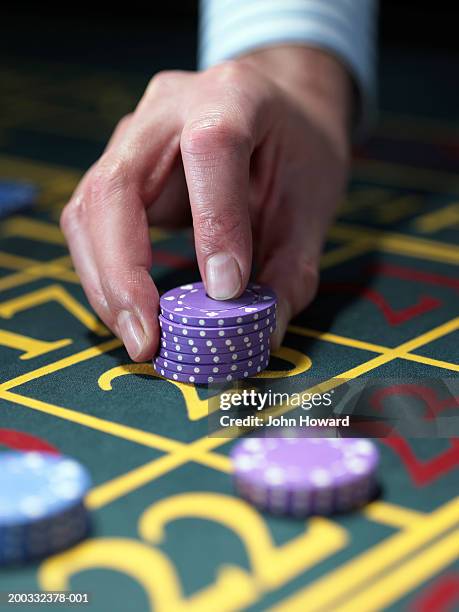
[[346, 28]]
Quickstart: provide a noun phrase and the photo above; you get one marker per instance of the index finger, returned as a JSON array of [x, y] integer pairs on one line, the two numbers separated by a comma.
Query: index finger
[[221, 131]]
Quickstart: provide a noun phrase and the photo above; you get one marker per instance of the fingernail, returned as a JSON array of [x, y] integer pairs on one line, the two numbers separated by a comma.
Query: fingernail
[[223, 276], [132, 333]]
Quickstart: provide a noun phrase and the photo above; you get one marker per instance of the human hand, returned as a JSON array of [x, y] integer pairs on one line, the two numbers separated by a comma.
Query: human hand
[[253, 151]]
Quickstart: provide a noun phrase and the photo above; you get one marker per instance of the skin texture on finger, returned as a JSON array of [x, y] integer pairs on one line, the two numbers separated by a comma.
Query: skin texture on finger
[[116, 279], [118, 230], [123, 252], [222, 128], [127, 178], [73, 225]]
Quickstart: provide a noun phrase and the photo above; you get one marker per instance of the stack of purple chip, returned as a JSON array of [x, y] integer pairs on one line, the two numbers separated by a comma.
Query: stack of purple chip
[[205, 341]]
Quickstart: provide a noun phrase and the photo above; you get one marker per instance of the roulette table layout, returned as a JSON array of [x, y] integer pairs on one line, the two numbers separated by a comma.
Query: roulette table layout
[[169, 531]]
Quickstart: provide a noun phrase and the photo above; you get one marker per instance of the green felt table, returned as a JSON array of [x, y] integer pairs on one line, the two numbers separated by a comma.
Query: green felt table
[[169, 532]]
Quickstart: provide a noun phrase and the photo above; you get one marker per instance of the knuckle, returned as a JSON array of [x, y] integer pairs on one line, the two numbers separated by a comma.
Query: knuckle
[[111, 175], [125, 286], [65, 217], [124, 121], [97, 299], [71, 215], [160, 82], [232, 73], [214, 132], [212, 225], [113, 287]]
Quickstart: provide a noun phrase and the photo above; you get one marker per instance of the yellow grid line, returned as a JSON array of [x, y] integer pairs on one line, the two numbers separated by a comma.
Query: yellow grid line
[[199, 450], [355, 574], [97, 350], [392, 514], [33, 229], [346, 252], [405, 577], [125, 432], [436, 220], [94, 351], [57, 269], [402, 175], [401, 244], [369, 346], [205, 444]]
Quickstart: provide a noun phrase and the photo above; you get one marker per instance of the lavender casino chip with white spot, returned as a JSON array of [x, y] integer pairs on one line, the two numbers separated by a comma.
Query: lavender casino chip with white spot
[[211, 377], [235, 367], [196, 345], [205, 341], [230, 331], [190, 305], [214, 357], [303, 476]]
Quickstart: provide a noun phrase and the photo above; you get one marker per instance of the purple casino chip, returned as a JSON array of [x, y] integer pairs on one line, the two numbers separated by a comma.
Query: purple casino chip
[[188, 345], [206, 350], [230, 331], [210, 369], [215, 356], [205, 340], [302, 476], [211, 377], [190, 305]]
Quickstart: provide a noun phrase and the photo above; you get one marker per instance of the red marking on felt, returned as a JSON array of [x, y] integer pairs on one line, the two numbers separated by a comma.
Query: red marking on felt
[[172, 260], [439, 597], [396, 317], [18, 440], [406, 273], [392, 316], [423, 473], [429, 395]]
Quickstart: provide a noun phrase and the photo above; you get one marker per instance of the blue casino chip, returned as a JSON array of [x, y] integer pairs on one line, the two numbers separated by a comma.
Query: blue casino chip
[[16, 196], [42, 508]]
